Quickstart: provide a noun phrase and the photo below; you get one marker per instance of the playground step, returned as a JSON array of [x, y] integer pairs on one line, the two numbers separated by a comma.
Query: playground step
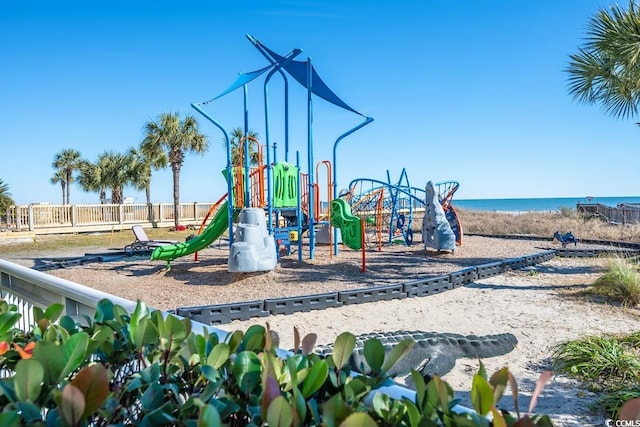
[[302, 303], [462, 277], [224, 313], [378, 293], [423, 287]]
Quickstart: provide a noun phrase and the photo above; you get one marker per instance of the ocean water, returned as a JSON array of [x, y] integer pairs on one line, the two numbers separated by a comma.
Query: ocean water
[[537, 204]]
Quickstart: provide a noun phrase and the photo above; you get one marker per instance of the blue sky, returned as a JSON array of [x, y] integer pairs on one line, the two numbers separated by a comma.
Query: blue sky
[[471, 91]]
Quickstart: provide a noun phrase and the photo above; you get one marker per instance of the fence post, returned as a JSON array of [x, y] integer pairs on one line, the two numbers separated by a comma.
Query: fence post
[[120, 213], [31, 219], [74, 215]]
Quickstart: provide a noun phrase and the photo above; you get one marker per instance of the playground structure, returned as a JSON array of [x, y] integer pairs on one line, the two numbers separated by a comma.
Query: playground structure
[[389, 208], [289, 196]]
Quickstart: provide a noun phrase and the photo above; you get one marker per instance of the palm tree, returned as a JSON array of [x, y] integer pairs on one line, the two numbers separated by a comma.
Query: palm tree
[[173, 138], [606, 70], [144, 163], [111, 171], [67, 162], [5, 198], [90, 179], [58, 178], [237, 139]]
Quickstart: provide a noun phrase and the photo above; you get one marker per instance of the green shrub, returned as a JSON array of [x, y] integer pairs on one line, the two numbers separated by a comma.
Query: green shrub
[[610, 364], [145, 369], [601, 358], [621, 282]]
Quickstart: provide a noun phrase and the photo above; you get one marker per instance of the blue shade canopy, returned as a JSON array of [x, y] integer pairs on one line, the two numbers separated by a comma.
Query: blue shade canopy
[[241, 80], [298, 70]]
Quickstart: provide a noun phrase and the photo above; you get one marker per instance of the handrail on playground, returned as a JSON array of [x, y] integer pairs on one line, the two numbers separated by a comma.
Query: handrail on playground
[[366, 121]]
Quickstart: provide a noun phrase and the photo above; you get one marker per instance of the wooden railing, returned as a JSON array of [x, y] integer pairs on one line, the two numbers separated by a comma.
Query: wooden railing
[[45, 218], [621, 214]]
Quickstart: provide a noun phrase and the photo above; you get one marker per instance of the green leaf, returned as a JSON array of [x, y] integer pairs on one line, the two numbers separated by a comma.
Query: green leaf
[[270, 391], [420, 386], [144, 333], [141, 312], [93, 383], [38, 314], [10, 419], [497, 418], [72, 405], [315, 379], [359, 419], [343, 348], [254, 338], [499, 381], [160, 416], [68, 323], [104, 311], [374, 354], [28, 379], [152, 397], [413, 412], [279, 413], [31, 413], [211, 374], [7, 389], [247, 369], [234, 340], [219, 355], [399, 351], [73, 353], [50, 356], [209, 416], [300, 404], [8, 321], [482, 371], [173, 333], [334, 411], [481, 395], [54, 311]]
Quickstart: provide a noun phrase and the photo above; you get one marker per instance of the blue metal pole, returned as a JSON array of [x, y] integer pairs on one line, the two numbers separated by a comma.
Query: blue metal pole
[[286, 117], [312, 239], [277, 68], [247, 180], [335, 171], [228, 169], [294, 53]]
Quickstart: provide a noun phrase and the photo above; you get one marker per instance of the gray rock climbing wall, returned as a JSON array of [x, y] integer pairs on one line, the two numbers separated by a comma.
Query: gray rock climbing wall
[[436, 230], [253, 249]]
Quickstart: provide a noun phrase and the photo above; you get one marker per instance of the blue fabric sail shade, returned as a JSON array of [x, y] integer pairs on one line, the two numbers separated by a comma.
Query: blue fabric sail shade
[[241, 80], [298, 70]]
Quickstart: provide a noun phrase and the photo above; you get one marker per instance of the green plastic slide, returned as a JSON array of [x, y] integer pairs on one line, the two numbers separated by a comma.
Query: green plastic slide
[[349, 225], [214, 230]]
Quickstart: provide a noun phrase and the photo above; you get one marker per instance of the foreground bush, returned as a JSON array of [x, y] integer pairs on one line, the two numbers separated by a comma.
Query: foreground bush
[[143, 369]]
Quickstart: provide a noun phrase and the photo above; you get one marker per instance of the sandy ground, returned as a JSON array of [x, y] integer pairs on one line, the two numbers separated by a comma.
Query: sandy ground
[[542, 305]]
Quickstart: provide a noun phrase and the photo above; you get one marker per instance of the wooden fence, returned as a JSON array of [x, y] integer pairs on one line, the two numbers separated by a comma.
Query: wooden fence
[[49, 219], [624, 213]]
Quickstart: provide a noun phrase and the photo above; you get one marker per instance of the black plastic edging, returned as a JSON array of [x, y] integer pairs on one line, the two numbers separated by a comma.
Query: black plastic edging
[[224, 313], [290, 305]]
